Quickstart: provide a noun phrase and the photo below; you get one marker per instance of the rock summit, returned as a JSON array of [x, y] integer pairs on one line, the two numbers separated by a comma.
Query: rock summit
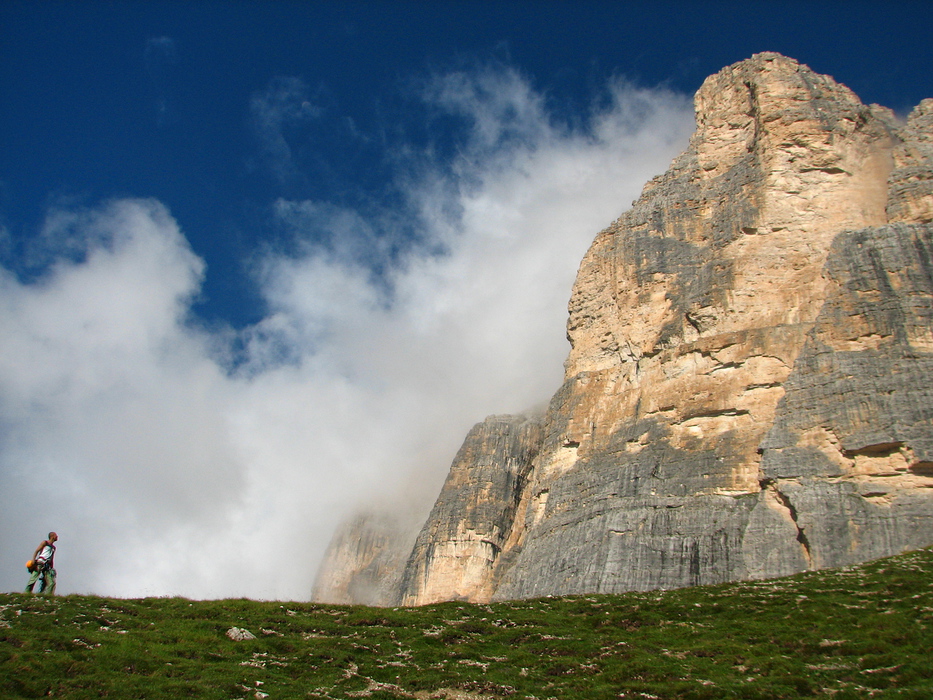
[[748, 392]]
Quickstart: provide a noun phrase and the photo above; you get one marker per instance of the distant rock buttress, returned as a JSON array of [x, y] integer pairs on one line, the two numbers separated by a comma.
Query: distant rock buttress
[[748, 392]]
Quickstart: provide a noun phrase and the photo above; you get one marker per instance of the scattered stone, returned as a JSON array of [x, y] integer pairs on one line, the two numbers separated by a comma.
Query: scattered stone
[[238, 634]]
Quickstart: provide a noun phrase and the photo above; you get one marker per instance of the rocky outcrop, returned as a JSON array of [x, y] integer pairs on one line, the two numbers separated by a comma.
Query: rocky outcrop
[[687, 322], [460, 547], [747, 392], [910, 194], [365, 561]]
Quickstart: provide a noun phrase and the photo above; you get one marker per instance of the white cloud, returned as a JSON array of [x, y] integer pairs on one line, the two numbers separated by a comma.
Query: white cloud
[[166, 473], [284, 105], [109, 405]]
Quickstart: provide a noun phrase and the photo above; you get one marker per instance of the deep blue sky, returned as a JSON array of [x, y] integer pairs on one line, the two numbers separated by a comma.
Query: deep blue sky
[[153, 99]]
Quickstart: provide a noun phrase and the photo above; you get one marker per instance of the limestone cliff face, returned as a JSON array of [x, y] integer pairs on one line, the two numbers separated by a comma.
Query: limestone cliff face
[[747, 392], [704, 397], [460, 547], [365, 561], [851, 448]]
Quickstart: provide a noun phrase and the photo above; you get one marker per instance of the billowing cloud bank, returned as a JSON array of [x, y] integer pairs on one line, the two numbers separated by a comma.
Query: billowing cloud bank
[[167, 469]]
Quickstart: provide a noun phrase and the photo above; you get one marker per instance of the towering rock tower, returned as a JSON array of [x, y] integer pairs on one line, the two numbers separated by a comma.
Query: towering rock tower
[[748, 392]]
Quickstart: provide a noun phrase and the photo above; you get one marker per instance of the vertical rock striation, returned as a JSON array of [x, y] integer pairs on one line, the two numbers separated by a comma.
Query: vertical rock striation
[[697, 325], [747, 392], [459, 549], [851, 446], [365, 561]]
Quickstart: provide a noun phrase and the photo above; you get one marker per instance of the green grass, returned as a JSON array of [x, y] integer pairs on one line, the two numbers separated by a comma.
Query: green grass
[[860, 632]]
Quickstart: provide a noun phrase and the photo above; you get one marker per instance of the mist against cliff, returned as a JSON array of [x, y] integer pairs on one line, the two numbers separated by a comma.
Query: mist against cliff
[[180, 457]]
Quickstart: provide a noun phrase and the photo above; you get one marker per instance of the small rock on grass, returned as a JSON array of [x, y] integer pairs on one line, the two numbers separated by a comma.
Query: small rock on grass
[[238, 634]]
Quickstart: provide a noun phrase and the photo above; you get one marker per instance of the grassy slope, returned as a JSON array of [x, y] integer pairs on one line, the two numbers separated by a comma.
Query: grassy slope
[[859, 632]]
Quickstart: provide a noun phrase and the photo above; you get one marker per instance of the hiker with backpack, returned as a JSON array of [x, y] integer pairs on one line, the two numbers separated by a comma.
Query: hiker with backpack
[[42, 566]]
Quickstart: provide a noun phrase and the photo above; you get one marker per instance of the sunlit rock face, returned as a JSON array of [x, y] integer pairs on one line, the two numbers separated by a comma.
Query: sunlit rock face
[[748, 388]]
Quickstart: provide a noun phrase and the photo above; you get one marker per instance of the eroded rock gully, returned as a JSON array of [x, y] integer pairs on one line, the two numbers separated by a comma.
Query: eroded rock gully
[[748, 389]]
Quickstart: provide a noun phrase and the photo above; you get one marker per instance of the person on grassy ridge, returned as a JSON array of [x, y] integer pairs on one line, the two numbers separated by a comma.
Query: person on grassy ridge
[[43, 566]]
